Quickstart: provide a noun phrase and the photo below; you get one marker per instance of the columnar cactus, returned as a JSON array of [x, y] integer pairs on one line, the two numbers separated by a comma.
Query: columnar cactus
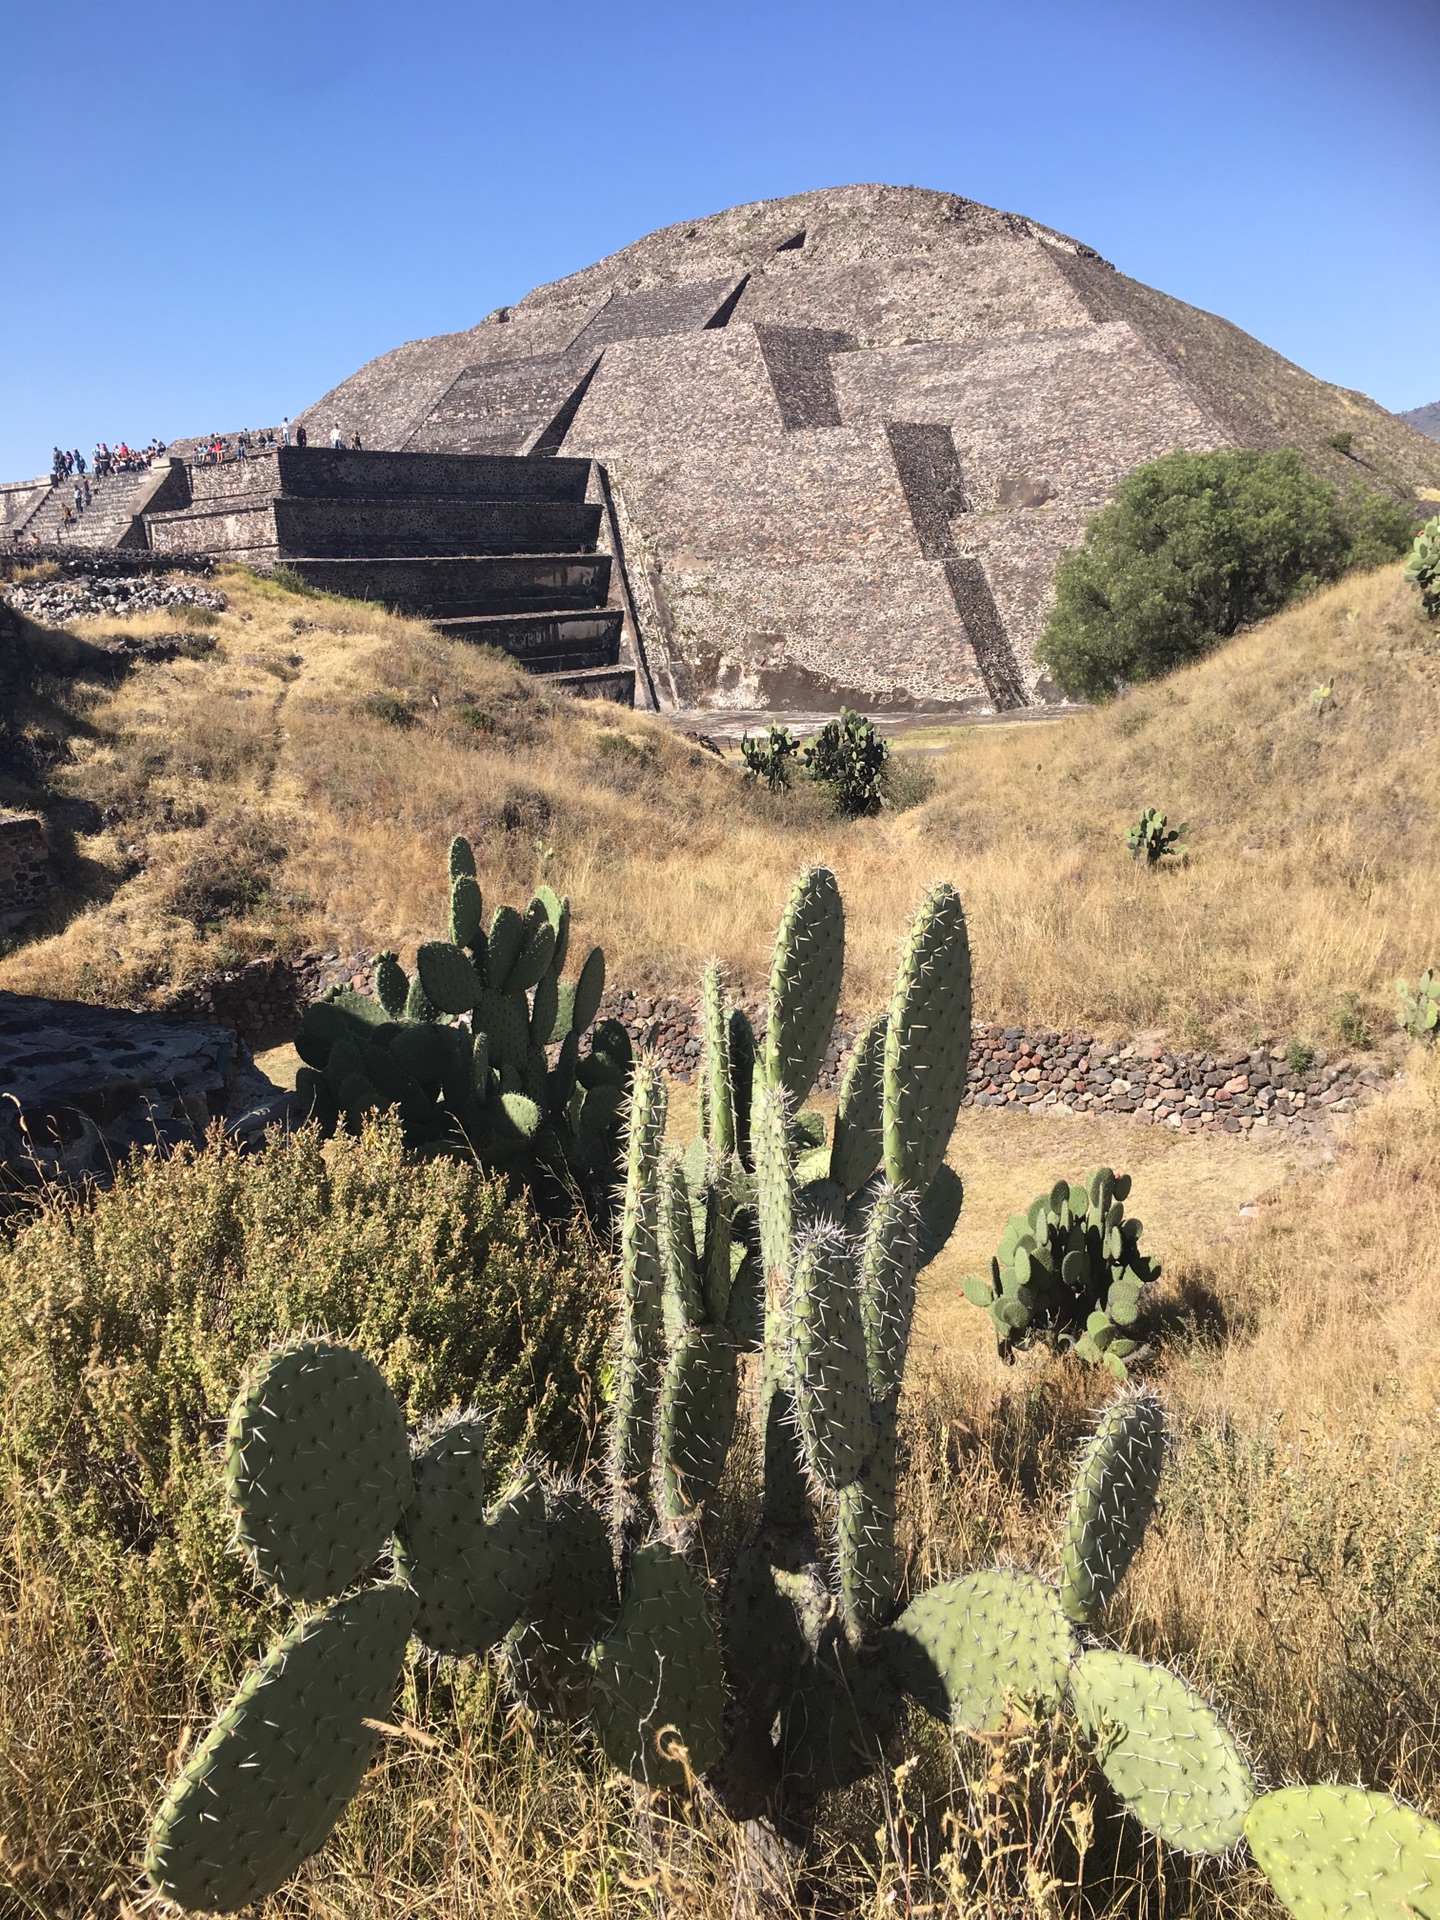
[[480, 1049], [773, 1668]]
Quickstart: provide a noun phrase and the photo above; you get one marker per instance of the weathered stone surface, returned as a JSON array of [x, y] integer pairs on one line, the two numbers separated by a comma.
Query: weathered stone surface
[[82, 1085], [27, 878], [850, 433]]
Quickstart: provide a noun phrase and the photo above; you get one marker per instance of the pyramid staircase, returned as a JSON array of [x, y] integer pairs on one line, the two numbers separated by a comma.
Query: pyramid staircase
[[112, 519], [496, 549]]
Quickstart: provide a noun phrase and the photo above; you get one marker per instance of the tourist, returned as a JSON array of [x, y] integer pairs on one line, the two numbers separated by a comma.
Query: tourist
[[79, 501], [355, 443], [301, 437], [79, 461], [85, 485], [337, 439], [285, 431]]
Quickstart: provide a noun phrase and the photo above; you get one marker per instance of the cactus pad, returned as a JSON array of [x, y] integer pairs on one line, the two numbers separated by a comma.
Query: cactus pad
[[317, 1467], [546, 1658], [475, 1572], [505, 1019], [927, 1041], [856, 1150], [1339, 1853], [804, 983], [461, 858], [391, 984], [774, 1178], [465, 910], [865, 1535], [832, 1397], [589, 987], [889, 1257], [842, 1713], [450, 983], [659, 1682], [1163, 1750], [266, 1786], [968, 1646], [697, 1417], [1111, 1504]]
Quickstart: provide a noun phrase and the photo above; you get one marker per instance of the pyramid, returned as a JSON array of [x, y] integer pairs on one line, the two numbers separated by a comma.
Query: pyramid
[[849, 433]]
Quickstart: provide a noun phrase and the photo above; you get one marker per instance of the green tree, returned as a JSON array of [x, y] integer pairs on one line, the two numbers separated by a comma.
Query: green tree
[[1195, 546]]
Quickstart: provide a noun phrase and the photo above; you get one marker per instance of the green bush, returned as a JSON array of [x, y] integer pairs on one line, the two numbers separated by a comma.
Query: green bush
[[126, 1322], [1193, 547]]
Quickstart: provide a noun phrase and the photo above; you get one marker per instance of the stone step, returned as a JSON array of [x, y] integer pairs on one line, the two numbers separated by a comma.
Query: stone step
[[115, 499], [462, 586], [596, 683], [354, 527], [327, 474], [548, 641]]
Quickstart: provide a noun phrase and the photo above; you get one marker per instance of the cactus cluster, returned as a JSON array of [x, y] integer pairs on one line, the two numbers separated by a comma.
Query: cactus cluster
[[769, 1660], [480, 1048], [1154, 838], [1069, 1271], [1420, 1010], [1422, 569]]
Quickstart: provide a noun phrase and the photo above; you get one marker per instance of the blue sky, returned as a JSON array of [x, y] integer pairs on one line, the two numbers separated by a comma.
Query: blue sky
[[214, 212]]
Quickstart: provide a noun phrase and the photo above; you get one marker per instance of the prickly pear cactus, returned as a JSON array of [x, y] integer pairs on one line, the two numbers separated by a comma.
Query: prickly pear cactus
[[1333, 1853], [1164, 1751], [1422, 569], [317, 1467], [267, 1784], [1069, 1272], [479, 1052], [1110, 1507], [774, 1662]]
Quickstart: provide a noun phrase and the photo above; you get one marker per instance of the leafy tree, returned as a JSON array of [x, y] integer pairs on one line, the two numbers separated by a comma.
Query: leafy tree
[[1195, 546]]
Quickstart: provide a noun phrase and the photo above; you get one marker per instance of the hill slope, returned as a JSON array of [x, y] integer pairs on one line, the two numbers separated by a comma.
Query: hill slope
[[298, 784]]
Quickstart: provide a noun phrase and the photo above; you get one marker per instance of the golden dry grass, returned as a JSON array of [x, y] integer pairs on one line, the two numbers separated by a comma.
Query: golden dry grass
[[1312, 872]]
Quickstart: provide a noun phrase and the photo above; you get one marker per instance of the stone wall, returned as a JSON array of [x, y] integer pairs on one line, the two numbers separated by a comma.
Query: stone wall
[[27, 877]]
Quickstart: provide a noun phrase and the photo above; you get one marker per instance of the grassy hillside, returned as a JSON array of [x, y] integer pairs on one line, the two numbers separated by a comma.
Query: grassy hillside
[[297, 784]]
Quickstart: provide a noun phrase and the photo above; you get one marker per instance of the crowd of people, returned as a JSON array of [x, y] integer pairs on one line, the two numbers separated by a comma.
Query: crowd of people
[[69, 463]]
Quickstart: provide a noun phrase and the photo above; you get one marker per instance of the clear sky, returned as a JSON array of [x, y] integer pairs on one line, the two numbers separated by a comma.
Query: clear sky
[[214, 211]]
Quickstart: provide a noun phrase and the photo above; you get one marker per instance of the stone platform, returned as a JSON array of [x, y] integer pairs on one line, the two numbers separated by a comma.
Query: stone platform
[[498, 550]]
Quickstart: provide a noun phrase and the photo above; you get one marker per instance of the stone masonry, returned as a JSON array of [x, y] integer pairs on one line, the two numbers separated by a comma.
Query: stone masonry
[[849, 434], [27, 878]]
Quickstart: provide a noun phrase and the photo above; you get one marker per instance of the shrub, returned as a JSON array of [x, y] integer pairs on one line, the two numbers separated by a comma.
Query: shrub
[[906, 781], [1420, 1010], [770, 759], [1298, 1057], [1423, 569], [385, 706], [1069, 1272], [127, 1319], [1195, 546], [1153, 836], [848, 757]]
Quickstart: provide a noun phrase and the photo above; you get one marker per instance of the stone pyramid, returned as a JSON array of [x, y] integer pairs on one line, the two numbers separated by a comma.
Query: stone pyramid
[[850, 433]]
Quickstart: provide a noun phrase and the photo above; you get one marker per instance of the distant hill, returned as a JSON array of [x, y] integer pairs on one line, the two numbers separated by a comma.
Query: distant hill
[[1426, 419]]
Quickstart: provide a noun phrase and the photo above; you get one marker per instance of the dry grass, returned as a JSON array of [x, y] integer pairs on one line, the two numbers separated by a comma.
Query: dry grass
[[1314, 870]]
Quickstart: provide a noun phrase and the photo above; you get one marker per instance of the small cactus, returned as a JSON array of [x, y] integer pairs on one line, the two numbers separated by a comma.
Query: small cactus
[[1153, 837], [1069, 1272], [1422, 569], [1420, 1010]]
